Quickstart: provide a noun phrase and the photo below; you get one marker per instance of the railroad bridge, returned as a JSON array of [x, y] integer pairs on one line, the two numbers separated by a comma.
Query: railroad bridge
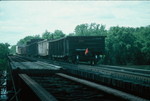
[[46, 80]]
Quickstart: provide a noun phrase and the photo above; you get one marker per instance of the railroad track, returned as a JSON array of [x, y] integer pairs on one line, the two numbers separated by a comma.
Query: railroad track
[[133, 75], [135, 83], [140, 71], [68, 90], [114, 76], [64, 87], [119, 74], [22, 63], [119, 68]]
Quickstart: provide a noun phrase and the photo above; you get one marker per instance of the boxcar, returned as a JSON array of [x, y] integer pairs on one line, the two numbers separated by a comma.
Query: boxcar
[[78, 48], [43, 47]]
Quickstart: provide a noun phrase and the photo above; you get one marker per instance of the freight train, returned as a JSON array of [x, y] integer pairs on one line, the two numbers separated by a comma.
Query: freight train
[[70, 48]]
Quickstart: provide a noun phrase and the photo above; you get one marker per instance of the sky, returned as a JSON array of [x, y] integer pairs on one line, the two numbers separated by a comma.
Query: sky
[[19, 19]]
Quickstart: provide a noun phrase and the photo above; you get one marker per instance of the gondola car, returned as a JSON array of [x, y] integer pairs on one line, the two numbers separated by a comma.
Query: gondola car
[[20, 50], [77, 48], [70, 48], [32, 47]]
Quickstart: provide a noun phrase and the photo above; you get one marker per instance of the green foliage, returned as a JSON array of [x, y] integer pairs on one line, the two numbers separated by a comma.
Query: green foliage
[[47, 35], [120, 45], [81, 30], [3, 64], [3, 55], [4, 50], [124, 45], [26, 39], [71, 34], [143, 43], [92, 29], [58, 34], [12, 49], [128, 46]]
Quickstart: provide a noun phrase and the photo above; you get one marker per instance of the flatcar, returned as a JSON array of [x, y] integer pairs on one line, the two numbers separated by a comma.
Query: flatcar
[[77, 48]]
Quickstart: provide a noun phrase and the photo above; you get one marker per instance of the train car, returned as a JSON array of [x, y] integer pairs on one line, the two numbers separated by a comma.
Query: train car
[[32, 47], [78, 48], [20, 50], [43, 47]]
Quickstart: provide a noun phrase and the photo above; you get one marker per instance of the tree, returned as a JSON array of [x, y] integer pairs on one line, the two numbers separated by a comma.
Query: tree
[[71, 34], [4, 50], [3, 55], [26, 39], [143, 45], [47, 35], [81, 30], [97, 29], [92, 29], [124, 45], [58, 34], [120, 45], [13, 49]]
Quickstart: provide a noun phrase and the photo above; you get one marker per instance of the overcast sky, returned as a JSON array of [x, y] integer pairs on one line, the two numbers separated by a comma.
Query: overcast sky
[[22, 18]]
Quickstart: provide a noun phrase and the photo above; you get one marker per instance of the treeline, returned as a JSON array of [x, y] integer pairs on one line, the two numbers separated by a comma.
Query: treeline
[[3, 55], [124, 45], [46, 35]]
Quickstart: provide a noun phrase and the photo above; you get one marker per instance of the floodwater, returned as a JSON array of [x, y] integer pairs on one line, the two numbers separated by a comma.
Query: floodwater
[[3, 83]]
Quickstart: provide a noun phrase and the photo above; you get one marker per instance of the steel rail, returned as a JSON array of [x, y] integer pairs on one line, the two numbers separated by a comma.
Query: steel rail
[[108, 90], [11, 76], [144, 71], [54, 67], [41, 93], [124, 75]]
